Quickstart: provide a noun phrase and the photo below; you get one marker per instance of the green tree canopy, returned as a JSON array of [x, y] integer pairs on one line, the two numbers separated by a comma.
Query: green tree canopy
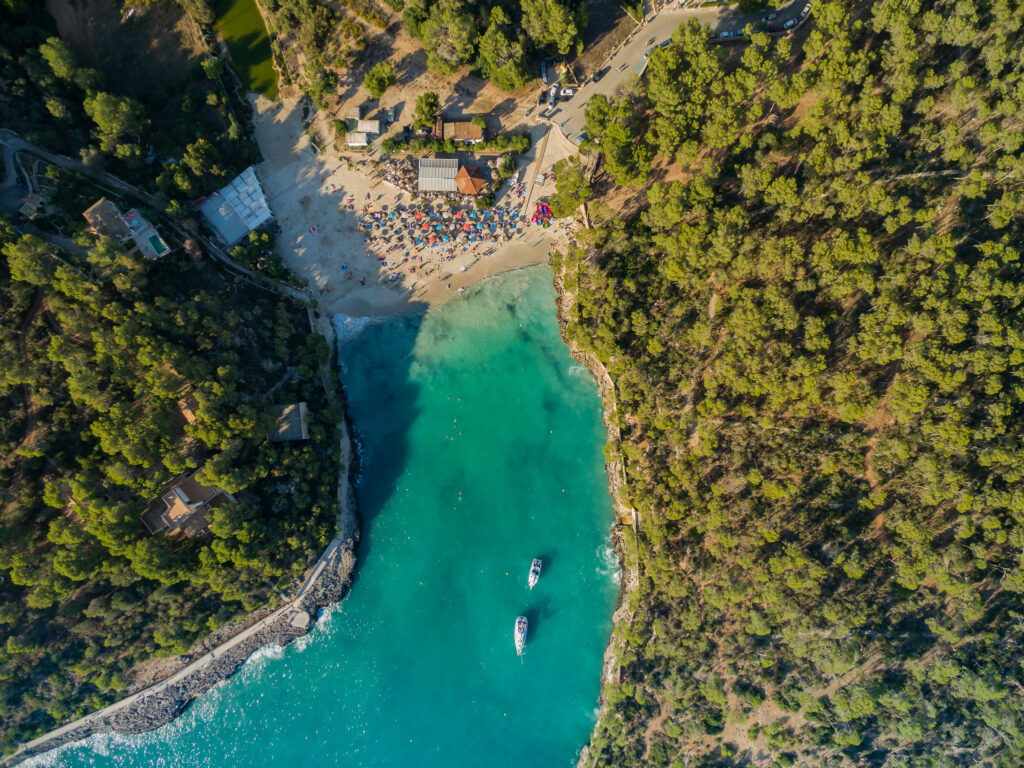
[[503, 53], [555, 24], [379, 78], [449, 36], [427, 107], [115, 117]]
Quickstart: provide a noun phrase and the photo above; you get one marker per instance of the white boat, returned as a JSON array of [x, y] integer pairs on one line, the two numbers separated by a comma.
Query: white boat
[[520, 634], [534, 572]]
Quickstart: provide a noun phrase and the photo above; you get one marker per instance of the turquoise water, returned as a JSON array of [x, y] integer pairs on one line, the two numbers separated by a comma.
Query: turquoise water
[[482, 449]]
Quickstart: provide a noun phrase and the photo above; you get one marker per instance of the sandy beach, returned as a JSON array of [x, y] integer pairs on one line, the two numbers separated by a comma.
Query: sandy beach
[[318, 199]]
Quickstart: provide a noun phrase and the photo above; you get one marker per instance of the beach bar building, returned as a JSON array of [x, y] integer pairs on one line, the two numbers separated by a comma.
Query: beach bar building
[[438, 175], [470, 180], [237, 209]]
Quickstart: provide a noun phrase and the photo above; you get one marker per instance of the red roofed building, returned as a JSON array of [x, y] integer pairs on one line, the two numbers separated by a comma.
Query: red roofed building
[[470, 180]]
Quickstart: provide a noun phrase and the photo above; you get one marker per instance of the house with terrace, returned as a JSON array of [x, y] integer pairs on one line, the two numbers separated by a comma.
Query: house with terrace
[[183, 507]]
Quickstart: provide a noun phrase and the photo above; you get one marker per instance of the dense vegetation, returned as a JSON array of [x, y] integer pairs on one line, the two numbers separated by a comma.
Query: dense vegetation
[[496, 40], [97, 348], [810, 304]]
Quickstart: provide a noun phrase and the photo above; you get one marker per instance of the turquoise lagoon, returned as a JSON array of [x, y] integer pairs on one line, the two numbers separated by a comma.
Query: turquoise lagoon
[[481, 449]]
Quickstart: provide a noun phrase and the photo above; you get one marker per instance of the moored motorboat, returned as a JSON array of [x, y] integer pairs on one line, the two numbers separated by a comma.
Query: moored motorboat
[[520, 634], [534, 572]]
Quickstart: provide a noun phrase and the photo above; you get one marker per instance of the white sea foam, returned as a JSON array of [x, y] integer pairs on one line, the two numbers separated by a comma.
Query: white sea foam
[[609, 563], [578, 370], [272, 651], [348, 328], [323, 624]]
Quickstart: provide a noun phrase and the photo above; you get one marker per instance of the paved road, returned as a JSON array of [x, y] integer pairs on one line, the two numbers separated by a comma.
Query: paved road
[[624, 63], [12, 142], [532, 170]]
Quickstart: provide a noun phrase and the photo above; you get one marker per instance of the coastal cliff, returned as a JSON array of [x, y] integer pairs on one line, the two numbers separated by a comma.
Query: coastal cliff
[[616, 472]]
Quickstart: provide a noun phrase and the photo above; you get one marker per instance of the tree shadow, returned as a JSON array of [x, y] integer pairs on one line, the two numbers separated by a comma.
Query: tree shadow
[[465, 92], [412, 66]]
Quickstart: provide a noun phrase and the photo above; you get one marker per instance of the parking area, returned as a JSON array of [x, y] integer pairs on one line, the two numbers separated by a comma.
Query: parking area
[[726, 22]]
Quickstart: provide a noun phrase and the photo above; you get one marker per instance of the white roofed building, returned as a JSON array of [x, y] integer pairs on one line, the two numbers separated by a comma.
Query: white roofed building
[[438, 175], [356, 139], [368, 126], [238, 208]]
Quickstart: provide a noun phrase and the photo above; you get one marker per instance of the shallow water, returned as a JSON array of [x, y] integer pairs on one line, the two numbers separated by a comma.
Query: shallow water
[[481, 442]]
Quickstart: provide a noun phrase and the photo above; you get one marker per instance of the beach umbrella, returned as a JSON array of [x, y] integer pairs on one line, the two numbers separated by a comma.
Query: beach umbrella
[[479, 225], [419, 215]]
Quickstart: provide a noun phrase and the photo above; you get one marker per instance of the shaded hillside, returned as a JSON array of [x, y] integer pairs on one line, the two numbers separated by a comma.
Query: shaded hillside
[[815, 339], [123, 378]]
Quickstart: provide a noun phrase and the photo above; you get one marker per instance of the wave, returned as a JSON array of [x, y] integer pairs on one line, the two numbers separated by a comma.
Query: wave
[[608, 563], [322, 624], [578, 370], [272, 651], [347, 328]]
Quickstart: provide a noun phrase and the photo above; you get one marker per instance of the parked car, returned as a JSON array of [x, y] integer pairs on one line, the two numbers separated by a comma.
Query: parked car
[[769, 17], [647, 53], [599, 74], [726, 35], [391, 115], [552, 96], [665, 43], [568, 93], [806, 10], [544, 72], [789, 24]]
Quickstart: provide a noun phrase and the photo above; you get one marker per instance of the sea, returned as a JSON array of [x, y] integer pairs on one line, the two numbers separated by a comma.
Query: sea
[[480, 448]]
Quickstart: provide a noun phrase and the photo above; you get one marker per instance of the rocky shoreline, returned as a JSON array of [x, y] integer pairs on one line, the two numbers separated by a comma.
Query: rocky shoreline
[[616, 472], [161, 703]]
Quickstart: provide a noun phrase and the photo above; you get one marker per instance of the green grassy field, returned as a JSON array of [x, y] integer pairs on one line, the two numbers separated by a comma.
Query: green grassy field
[[240, 24]]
